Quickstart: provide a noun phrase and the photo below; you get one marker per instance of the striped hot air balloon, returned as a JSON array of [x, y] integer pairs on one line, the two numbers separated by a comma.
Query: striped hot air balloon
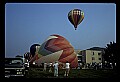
[[76, 16], [57, 48]]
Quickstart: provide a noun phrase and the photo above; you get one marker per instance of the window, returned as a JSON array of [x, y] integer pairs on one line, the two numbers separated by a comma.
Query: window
[[99, 53], [99, 58], [93, 53], [93, 58]]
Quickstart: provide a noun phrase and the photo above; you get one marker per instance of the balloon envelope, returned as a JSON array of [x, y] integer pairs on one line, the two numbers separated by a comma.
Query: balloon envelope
[[76, 16], [33, 52], [33, 49], [57, 48]]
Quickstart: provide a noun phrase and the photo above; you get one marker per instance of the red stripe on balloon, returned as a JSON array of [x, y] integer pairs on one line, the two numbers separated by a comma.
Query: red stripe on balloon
[[74, 63], [54, 41], [69, 58], [66, 52]]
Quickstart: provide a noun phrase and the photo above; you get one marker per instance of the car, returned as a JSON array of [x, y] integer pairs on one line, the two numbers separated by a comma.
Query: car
[[14, 67]]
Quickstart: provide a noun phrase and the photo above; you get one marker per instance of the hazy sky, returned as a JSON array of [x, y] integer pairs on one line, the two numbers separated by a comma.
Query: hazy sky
[[28, 23]]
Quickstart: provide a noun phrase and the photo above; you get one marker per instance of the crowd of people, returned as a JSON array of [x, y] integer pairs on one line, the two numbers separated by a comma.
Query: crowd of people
[[97, 65], [55, 66]]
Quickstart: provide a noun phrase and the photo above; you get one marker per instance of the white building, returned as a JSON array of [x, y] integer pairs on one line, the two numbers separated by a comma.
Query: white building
[[92, 55]]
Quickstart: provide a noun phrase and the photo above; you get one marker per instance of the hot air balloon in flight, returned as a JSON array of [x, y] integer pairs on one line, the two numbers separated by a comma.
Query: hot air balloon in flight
[[76, 16], [57, 48]]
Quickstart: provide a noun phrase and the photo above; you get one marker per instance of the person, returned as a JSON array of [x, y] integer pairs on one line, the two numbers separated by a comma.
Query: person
[[67, 68], [50, 64], [45, 65], [55, 65]]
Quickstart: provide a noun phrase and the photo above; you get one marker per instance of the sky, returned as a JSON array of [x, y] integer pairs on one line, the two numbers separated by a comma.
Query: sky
[[31, 23]]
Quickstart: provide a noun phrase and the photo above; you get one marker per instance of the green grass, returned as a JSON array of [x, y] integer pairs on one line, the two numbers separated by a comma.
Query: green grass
[[74, 73]]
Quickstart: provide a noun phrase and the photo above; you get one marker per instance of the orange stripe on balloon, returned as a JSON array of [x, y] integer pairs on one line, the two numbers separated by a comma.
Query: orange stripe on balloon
[[57, 47], [72, 59], [60, 41], [74, 63], [66, 52], [54, 41]]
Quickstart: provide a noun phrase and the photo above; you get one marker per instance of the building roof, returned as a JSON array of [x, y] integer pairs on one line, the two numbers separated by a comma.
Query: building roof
[[96, 48]]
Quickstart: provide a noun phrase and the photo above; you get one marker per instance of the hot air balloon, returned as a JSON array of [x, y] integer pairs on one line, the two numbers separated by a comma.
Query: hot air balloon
[[57, 48], [34, 52], [33, 49], [76, 16]]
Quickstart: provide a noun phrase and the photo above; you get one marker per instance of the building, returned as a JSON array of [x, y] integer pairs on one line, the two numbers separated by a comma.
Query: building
[[77, 51], [92, 55]]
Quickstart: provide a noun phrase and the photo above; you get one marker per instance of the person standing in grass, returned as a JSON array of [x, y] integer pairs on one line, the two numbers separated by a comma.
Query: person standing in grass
[[50, 65], [67, 68], [55, 65], [45, 66]]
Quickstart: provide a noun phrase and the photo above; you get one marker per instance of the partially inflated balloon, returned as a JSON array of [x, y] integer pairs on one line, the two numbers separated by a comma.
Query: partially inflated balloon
[[33, 52], [33, 49], [57, 48], [76, 16]]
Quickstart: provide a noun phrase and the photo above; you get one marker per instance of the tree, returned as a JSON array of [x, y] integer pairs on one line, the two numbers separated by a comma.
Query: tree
[[110, 54]]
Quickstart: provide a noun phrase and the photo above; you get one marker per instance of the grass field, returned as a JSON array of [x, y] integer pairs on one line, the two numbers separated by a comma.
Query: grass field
[[74, 73]]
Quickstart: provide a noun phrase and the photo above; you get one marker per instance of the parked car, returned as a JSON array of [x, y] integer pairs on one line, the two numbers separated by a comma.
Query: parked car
[[14, 67]]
